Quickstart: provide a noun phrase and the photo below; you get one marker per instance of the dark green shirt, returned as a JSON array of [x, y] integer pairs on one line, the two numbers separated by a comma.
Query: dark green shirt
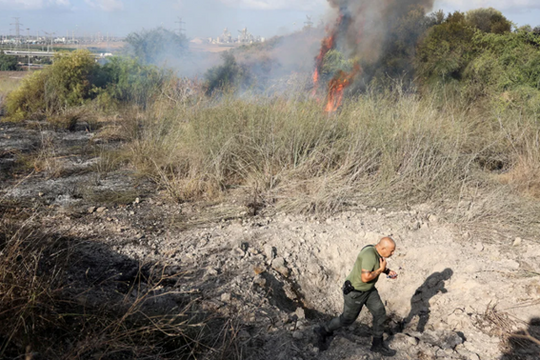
[[368, 259]]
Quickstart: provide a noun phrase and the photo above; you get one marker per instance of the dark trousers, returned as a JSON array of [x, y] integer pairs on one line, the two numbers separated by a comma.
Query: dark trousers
[[354, 301]]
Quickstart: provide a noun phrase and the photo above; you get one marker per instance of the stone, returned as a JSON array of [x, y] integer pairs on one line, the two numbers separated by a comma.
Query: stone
[[298, 335], [101, 209], [270, 252], [225, 297], [452, 340], [258, 269], [479, 246], [301, 313], [517, 242], [238, 252], [278, 264], [91, 209], [244, 246], [259, 280]]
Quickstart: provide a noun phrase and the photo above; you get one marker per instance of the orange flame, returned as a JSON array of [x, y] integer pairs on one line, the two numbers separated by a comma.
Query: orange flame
[[337, 86]]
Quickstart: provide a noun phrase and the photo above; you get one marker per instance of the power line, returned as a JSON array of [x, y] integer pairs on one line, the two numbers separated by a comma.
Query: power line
[[17, 29], [181, 30]]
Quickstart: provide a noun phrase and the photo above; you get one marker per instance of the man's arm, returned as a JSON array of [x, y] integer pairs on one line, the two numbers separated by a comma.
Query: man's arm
[[368, 275]]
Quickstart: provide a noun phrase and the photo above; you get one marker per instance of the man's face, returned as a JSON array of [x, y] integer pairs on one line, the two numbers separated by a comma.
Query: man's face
[[388, 251]]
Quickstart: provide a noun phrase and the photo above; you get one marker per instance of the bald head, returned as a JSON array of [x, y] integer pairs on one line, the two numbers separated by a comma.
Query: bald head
[[386, 247]]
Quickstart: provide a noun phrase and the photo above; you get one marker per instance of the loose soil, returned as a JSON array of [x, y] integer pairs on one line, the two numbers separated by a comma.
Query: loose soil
[[465, 292]]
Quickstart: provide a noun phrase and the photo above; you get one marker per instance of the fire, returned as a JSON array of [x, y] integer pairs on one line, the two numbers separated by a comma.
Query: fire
[[337, 86], [341, 80]]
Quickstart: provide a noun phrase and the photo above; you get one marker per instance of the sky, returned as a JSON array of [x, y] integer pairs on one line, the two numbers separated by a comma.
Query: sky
[[202, 18]]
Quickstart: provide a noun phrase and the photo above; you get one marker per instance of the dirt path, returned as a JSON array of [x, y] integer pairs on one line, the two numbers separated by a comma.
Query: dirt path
[[279, 275]]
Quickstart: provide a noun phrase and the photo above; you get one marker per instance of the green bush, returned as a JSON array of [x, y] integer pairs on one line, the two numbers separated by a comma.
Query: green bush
[[66, 83], [8, 63], [28, 99], [488, 20], [229, 75], [446, 49], [75, 78], [127, 80]]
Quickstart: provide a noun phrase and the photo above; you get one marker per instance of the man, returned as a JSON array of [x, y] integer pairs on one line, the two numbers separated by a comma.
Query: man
[[359, 290]]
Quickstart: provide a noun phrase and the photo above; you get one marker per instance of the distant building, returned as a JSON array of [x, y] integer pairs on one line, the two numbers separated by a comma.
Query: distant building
[[243, 38]]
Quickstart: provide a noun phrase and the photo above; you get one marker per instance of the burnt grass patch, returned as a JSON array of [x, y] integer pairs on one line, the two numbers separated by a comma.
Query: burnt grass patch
[[65, 297]]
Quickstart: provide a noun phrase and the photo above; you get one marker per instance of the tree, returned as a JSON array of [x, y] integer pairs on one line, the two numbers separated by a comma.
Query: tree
[[446, 49], [488, 20], [8, 63]]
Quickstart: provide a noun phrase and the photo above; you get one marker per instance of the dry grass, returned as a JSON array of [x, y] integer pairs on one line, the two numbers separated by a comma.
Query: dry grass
[[9, 81], [392, 149], [44, 314]]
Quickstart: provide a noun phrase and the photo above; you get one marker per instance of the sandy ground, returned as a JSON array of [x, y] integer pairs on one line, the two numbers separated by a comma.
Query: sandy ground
[[465, 291]]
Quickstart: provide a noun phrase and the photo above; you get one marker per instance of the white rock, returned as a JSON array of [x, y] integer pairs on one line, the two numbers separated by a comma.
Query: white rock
[[278, 264], [300, 313], [226, 297], [517, 242], [270, 252]]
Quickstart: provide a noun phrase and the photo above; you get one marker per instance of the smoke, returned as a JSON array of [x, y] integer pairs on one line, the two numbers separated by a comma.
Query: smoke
[[363, 26]]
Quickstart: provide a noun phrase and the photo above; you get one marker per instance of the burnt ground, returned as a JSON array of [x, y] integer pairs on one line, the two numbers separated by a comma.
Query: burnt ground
[[467, 293]]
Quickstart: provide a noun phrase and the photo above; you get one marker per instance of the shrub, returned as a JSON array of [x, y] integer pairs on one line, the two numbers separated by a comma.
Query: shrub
[[446, 49], [127, 80], [66, 83], [28, 99], [488, 20], [74, 79], [8, 63], [227, 76]]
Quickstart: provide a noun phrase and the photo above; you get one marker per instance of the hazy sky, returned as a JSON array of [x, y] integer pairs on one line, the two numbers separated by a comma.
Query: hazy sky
[[202, 18]]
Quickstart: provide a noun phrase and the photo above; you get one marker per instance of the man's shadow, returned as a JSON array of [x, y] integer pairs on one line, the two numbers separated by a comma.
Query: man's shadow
[[420, 300], [525, 345]]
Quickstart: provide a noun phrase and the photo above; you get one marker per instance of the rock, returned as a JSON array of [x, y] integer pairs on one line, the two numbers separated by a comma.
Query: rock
[[101, 209], [278, 264], [238, 252], [225, 297], [517, 242], [298, 335], [452, 340], [479, 246], [461, 350], [137, 200], [259, 280], [405, 339], [258, 269], [91, 209], [270, 252], [301, 313]]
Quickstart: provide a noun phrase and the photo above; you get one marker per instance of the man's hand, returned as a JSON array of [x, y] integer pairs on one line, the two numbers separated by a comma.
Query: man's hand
[[392, 274], [382, 264]]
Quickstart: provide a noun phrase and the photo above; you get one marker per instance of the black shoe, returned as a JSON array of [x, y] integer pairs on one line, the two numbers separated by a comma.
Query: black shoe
[[380, 347], [321, 337]]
